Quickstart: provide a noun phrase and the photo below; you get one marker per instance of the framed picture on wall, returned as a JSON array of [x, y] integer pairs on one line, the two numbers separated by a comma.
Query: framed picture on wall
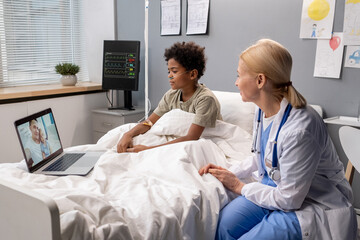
[[170, 17], [197, 16]]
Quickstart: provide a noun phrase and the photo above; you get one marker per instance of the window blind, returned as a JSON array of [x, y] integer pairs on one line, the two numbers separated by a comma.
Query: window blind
[[35, 35]]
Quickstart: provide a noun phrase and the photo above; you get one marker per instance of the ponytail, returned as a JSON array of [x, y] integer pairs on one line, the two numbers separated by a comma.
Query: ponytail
[[295, 98]]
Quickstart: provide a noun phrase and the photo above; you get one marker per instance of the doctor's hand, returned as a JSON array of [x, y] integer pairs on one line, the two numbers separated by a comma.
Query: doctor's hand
[[227, 178], [124, 143], [206, 168], [137, 148]]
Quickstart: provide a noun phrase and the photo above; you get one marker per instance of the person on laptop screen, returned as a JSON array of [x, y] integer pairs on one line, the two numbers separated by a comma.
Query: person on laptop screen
[[32, 146], [42, 148], [44, 145]]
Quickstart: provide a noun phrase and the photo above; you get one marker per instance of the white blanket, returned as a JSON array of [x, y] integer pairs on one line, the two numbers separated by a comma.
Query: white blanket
[[154, 194]]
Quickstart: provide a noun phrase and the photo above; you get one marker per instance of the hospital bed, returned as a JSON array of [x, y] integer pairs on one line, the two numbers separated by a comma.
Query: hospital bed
[[154, 194]]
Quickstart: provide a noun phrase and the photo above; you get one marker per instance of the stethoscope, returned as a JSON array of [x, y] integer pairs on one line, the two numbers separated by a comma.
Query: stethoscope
[[274, 173]]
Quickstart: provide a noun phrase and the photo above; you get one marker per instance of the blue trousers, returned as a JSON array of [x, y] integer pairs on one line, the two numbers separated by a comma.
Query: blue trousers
[[242, 219]]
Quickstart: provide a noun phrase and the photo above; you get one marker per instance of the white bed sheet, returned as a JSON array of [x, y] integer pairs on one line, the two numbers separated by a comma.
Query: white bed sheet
[[154, 194]]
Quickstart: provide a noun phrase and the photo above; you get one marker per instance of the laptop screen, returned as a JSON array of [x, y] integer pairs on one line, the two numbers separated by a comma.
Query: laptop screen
[[39, 138]]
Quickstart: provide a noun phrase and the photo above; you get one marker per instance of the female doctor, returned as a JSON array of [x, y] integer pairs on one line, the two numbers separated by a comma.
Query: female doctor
[[301, 191]]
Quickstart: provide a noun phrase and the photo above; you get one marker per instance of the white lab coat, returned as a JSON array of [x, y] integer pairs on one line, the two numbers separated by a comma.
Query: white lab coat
[[312, 179]]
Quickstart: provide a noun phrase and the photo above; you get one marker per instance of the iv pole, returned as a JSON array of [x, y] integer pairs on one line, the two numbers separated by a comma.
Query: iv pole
[[146, 37]]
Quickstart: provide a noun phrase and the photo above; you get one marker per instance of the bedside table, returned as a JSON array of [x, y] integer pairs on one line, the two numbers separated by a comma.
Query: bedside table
[[104, 120]]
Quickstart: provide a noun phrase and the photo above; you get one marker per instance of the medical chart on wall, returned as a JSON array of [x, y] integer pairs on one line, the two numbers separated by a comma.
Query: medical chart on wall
[[329, 54], [197, 16], [352, 57], [352, 22], [170, 17], [317, 19]]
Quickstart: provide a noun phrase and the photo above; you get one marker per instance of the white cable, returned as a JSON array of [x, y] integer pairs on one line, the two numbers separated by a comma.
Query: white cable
[[146, 36], [143, 118]]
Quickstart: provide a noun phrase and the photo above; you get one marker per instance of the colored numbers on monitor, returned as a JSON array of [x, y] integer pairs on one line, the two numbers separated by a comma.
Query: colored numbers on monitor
[[120, 65]]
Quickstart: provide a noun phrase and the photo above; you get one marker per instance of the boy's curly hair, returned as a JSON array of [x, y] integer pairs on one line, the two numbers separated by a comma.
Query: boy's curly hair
[[189, 55]]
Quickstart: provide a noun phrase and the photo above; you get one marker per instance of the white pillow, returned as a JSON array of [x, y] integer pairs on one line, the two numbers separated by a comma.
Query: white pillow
[[318, 109], [175, 122], [235, 111]]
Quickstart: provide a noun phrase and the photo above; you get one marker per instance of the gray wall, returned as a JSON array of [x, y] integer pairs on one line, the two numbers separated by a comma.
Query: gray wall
[[233, 26], [130, 23]]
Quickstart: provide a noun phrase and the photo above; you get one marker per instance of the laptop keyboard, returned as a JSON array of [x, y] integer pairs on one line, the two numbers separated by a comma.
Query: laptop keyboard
[[64, 162]]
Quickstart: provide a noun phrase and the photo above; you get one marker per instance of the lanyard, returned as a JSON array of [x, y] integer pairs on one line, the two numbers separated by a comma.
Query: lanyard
[[274, 172], [283, 120]]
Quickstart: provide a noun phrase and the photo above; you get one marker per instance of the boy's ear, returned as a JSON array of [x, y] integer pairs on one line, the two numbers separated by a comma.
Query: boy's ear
[[194, 74]]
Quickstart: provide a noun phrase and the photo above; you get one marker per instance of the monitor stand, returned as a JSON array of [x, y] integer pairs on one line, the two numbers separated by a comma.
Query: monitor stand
[[127, 102]]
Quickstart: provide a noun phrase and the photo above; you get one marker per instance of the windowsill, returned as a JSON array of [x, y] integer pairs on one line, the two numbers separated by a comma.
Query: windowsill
[[25, 93]]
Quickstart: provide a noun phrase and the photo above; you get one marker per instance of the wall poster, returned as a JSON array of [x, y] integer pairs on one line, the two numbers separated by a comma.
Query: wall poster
[[317, 19]]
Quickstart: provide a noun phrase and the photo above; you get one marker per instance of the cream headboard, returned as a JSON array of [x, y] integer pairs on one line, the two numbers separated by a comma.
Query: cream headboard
[[235, 111]]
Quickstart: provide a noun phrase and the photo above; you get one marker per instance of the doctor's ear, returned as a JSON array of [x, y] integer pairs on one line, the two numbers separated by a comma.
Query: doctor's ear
[[260, 80]]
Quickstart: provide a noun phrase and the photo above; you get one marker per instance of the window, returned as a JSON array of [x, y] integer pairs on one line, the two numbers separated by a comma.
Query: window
[[35, 35]]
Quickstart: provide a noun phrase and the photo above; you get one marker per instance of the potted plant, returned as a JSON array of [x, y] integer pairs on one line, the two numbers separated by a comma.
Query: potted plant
[[67, 71]]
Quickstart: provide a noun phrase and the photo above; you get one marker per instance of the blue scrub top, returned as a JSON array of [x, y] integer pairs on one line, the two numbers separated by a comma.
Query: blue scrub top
[[263, 140]]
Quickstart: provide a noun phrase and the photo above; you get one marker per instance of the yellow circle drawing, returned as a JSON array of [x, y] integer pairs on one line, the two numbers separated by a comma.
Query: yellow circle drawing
[[318, 9], [352, 1]]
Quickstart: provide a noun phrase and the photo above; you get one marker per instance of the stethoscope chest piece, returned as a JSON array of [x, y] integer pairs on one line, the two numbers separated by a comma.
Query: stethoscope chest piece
[[274, 174]]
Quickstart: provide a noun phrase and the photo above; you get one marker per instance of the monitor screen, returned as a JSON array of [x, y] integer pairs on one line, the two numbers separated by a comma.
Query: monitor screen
[[121, 64]]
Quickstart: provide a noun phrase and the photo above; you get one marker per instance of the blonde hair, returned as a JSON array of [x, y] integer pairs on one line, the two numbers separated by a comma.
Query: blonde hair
[[275, 62]]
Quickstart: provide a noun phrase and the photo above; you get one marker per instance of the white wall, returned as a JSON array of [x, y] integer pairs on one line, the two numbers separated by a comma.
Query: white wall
[[72, 115], [99, 23]]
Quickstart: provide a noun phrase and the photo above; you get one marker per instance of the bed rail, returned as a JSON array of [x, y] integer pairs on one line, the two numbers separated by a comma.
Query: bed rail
[[26, 214]]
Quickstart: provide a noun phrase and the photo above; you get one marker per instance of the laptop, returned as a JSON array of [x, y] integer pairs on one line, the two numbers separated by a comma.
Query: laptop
[[43, 151]]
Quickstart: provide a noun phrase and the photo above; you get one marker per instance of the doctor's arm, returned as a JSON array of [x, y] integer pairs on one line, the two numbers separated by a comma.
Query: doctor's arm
[[231, 178], [227, 178], [298, 163]]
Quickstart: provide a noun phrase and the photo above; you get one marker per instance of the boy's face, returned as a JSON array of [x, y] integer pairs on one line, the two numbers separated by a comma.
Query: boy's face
[[41, 134], [179, 78]]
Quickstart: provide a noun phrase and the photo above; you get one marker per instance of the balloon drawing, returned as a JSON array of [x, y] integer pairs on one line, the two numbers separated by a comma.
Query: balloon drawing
[[334, 42]]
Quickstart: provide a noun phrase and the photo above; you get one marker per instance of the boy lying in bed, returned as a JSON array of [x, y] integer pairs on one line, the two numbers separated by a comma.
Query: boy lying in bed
[[186, 65]]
